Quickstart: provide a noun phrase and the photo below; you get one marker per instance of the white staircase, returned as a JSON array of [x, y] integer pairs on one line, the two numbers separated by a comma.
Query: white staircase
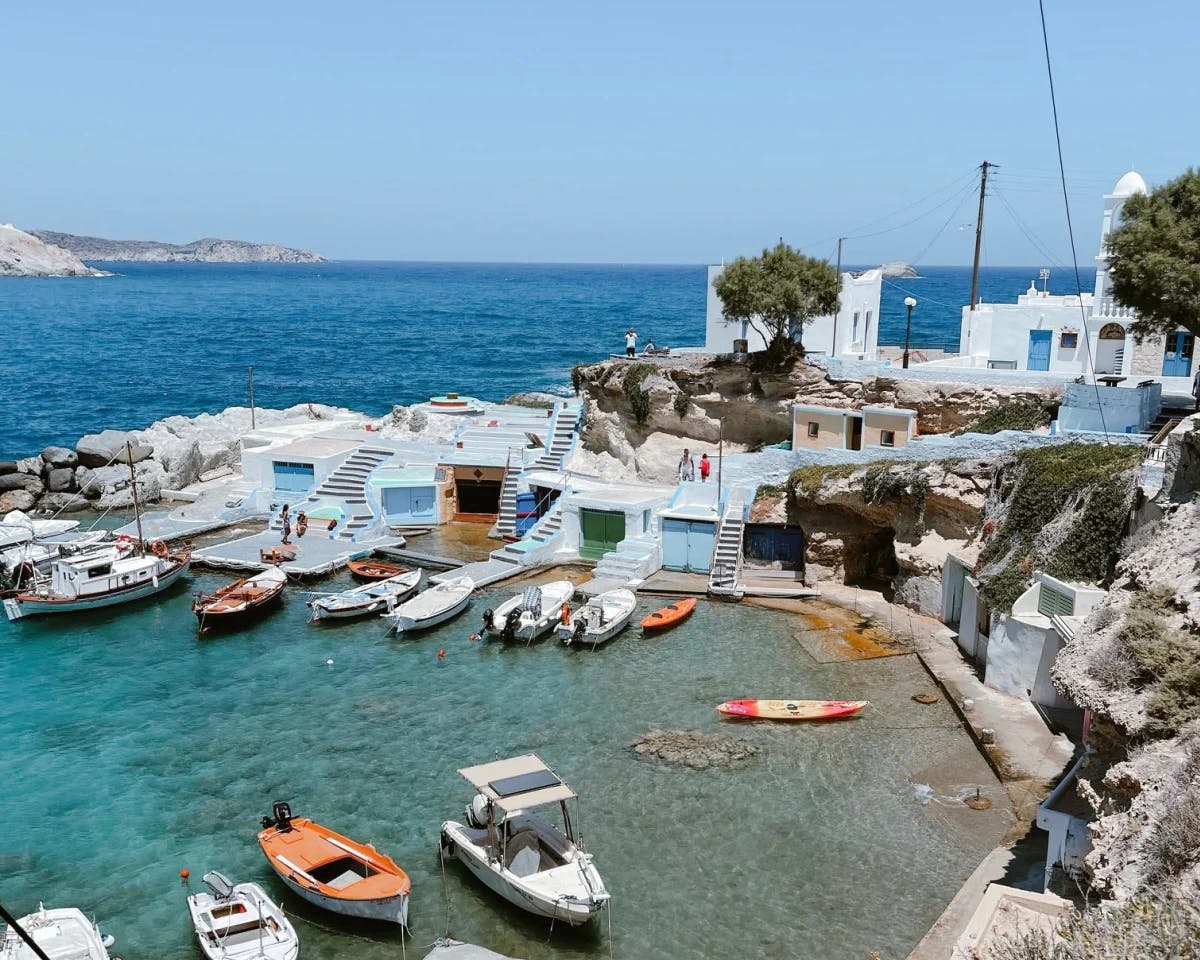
[[727, 558], [513, 558], [506, 523], [562, 438], [346, 488], [545, 530], [633, 561]]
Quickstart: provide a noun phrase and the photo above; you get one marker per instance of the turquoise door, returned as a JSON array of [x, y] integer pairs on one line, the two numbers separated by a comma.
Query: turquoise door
[[1177, 355], [1039, 350], [688, 544]]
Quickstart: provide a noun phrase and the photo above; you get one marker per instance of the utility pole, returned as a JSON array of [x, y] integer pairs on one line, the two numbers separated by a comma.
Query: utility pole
[[250, 375], [833, 346], [985, 166]]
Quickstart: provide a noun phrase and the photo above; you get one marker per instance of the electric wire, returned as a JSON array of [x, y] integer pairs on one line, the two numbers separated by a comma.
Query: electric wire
[[1027, 230], [967, 194], [1062, 171]]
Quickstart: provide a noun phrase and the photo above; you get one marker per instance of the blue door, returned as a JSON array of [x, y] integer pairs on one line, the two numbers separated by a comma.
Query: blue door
[[1039, 350], [407, 504], [688, 544], [1177, 355]]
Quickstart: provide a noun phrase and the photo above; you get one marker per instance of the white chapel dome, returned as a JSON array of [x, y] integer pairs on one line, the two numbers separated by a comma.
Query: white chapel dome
[[1129, 184]]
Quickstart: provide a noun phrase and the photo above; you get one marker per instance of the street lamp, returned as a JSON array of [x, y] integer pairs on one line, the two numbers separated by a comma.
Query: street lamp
[[909, 302]]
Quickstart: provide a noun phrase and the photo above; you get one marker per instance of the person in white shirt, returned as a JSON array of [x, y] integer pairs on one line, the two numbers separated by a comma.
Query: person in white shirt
[[630, 342], [687, 469]]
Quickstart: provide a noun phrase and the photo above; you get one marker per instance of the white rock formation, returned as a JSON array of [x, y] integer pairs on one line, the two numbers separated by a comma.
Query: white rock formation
[[24, 255]]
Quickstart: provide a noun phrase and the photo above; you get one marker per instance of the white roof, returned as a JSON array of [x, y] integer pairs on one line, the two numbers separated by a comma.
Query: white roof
[[891, 411], [1129, 184], [517, 783]]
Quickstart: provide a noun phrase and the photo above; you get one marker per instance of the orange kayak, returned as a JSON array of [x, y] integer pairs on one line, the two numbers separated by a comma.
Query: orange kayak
[[333, 871], [670, 615], [791, 709]]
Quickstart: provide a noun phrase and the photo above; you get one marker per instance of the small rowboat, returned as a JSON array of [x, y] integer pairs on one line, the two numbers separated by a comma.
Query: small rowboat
[[240, 922], [332, 871], [669, 615], [240, 601], [436, 605], [367, 599], [792, 709], [374, 570]]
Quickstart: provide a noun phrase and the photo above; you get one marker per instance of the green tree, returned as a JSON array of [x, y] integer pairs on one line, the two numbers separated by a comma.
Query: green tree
[[1155, 257], [778, 294]]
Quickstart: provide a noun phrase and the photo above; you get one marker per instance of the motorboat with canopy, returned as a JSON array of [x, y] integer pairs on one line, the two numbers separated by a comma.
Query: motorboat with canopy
[[520, 855]]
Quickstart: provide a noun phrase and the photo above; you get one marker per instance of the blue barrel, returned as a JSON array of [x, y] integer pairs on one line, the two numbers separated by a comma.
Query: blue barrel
[[525, 523], [526, 502]]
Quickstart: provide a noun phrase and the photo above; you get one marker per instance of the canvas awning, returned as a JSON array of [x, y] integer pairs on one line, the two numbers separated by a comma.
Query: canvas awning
[[518, 782]]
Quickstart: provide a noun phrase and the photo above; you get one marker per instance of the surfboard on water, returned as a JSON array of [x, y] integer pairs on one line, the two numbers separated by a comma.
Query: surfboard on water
[[791, 709]]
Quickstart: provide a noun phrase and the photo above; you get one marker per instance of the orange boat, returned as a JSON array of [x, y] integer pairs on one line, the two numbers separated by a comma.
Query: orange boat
[[375, 570], [670, 615], [332, 871]]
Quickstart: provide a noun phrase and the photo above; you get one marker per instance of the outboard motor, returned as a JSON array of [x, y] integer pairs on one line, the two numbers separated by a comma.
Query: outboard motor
[[477, 813], [488, 617], [281, 819], [580, 629], [511, 622], [219, 884]]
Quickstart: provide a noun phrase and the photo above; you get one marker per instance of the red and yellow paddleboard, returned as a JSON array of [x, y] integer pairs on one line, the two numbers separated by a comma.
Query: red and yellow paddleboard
[[669, 615], [791, 709]]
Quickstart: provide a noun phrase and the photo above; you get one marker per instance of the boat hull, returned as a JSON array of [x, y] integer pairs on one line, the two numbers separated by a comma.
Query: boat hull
[[407, 624], [574, 913], [669, 615], [323, 609], [388, 909], [21, 606], [213, 622], [280, 943], [792, 709]]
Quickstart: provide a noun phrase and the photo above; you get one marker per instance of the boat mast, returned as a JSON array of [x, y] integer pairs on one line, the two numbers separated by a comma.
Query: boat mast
[[985, 166], [29, 941], [137, 507]]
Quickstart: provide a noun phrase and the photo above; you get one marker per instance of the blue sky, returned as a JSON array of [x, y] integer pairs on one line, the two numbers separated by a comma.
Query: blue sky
[[616, 132]]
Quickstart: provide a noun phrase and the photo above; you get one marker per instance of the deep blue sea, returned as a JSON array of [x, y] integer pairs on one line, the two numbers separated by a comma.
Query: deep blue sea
[[79, 355]]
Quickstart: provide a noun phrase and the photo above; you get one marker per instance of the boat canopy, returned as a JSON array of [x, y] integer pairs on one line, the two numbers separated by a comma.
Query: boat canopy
[[518, 783]]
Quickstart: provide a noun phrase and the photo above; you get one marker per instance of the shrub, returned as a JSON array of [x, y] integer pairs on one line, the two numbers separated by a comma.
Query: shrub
[[639, 400], [1174, 846], [1090, 547], [1143, 928], [577, 377], [1002, 589], [1016, 414], [1111, 666], [769, 491], [888, 481], [682, 403], [806, 481]]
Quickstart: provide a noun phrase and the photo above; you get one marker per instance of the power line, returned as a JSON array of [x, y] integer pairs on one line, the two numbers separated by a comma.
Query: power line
[[1028, 231], [964, 191], [942, 229], [1062, 172]]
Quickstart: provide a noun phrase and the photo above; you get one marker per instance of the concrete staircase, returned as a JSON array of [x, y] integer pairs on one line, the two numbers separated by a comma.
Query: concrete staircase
[[727, 558], [346, 488], [512, 558], [545, 530], [562, 437], [633, 561], [506, 523]]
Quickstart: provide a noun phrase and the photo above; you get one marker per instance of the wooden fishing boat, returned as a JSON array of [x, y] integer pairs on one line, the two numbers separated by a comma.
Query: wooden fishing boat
[[598, 620], [669, 615], [532, 863], [436, 605], [528, 614], [367, 569], [61, 933], [367, 599], [332, 871], [240, 922], [239, 602], [792, 709]]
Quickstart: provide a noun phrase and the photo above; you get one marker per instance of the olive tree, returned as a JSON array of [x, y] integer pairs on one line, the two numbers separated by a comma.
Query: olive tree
[[1155, 257], [778, 294]]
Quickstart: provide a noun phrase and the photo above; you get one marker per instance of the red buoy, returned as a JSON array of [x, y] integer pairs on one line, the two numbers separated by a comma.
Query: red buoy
[[442, 654]]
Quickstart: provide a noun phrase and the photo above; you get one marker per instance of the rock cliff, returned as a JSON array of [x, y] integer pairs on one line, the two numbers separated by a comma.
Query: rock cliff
[[208, 250], [26, 255]]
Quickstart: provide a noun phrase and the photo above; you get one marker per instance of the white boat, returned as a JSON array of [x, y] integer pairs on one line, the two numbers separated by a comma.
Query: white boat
[[240, 922], [598, 620], [525, 858], [436, 605], [529, 614], [367, 599], [98, 577], [63, 933]]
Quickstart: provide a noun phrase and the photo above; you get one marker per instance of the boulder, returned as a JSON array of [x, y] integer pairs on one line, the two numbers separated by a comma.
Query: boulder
[[16, 500], [149, 480], [694, 749], [8, 466], [60, 480], [22, 481], [57, 457], [63, 502], [94, 482], [105, 447], [33, 465]]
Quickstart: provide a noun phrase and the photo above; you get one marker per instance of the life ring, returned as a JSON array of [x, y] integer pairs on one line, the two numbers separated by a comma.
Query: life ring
[[159, 549], [124, 538], [564, 615]]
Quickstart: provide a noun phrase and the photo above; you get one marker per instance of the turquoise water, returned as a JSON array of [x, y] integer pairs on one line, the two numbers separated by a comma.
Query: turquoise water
[[133, 749], [175, 338]]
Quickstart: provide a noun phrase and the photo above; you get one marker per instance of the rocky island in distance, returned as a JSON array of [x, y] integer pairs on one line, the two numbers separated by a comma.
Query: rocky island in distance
[[207, 250]]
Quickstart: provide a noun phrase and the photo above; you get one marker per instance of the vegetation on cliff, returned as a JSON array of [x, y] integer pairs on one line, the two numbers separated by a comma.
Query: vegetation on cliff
[[1014, 413], [1062, 509]]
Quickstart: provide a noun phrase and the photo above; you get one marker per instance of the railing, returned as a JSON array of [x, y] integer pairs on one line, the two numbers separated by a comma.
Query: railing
[[1110, 308]]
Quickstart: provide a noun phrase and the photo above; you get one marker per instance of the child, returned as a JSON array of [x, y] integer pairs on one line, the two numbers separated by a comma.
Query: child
[[705, 467]]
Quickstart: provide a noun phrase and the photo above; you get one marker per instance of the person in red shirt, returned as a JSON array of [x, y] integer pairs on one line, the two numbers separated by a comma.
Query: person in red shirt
[[705, 467]]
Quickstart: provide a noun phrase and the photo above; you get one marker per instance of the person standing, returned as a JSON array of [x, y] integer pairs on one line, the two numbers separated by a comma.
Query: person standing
[[631, 342], [705, 467], [687, 469], [287, 523]]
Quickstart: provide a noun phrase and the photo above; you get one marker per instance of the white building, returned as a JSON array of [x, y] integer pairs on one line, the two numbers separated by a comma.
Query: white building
[[857, 322], [1072, 335]]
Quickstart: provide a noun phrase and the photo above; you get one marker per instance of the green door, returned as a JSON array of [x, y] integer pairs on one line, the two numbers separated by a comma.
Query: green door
[[599, 532]]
